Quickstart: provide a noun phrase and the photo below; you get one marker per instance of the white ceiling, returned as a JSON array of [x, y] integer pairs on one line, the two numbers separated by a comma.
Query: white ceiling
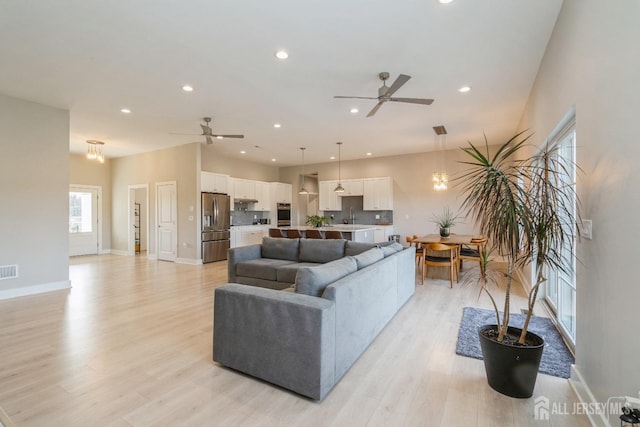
[[96, 57]]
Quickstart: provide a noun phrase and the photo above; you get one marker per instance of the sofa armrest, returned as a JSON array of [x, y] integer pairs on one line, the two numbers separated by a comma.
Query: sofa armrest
[[284, 338], [240, 254]]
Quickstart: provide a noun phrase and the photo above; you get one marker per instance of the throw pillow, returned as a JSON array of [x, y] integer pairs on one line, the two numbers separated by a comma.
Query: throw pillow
[[313, 280], [279, 248], [369, 257]]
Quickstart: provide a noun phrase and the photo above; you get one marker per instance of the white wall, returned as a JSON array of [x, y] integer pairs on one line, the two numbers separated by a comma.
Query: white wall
[[592, 62], [34, 191]]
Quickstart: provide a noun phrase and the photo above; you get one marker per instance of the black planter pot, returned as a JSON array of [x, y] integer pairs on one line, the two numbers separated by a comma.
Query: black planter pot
[[511, 369], [444, 231]]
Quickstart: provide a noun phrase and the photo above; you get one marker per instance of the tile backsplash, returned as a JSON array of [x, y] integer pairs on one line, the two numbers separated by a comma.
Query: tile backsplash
[[352, 206], [242, 217]]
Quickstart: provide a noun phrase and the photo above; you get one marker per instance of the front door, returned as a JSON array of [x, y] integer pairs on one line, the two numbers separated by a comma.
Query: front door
[[167, 212], [83, 220]]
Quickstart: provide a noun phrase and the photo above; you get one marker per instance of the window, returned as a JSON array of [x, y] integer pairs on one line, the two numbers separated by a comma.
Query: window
[[80, 212]]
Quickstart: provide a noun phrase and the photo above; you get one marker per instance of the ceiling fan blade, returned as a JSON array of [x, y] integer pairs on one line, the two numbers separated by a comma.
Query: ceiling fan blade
[[191, 134], [401, 80], [422, 101], [228, 136], [209, 139], [375, 109], [206, 130], [356, 97]]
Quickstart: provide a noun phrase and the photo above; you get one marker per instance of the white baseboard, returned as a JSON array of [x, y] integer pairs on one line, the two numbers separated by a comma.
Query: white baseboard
[[189, 261], [119, 252], [35, 289], [585, 396], [104, 252]]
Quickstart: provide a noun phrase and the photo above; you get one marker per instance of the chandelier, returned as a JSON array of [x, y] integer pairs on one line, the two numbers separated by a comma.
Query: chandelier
[[93, 150], [439, 178]]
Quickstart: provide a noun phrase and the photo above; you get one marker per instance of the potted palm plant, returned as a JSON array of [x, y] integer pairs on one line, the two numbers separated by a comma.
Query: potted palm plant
[[529, 212], [445, 220], [316, 220]]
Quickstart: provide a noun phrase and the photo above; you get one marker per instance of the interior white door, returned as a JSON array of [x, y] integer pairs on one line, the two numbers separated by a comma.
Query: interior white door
[[167, 213], [83, 220]]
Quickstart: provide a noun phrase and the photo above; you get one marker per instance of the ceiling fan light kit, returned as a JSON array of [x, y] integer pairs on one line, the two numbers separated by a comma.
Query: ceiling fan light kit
[[385, 92]]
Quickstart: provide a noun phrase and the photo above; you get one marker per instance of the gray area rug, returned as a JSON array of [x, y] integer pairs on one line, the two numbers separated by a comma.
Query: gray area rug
[[556, 358]]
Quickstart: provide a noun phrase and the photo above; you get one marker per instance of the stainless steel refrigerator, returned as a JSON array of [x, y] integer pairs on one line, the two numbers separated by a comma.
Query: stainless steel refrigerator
[[215, 226]]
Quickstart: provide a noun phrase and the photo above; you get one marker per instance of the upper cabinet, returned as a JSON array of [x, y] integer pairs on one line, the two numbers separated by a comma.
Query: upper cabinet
[[262, 193], [280, 192], [352, 187], [214, 182], [378, 194], [244, 188], [329, 199]]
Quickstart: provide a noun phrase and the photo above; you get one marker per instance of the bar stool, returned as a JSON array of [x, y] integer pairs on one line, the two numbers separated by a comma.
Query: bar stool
[[292, 233], [333, 234], [313, 234], [275, 232]]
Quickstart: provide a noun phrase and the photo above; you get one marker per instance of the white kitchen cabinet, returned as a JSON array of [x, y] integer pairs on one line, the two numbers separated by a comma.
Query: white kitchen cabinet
[[250, 234], [280, 193], [366, 236], [214, 182], [244, 189], [233, 237], [378, 194], [329, 199], [352, 187], [263, 195]]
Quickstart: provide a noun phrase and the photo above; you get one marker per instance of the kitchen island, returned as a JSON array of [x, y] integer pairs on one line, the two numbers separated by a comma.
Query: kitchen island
[[353, 232]]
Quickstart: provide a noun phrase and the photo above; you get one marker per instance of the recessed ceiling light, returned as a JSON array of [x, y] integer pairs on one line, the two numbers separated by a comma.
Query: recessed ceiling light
[[281, 54], [332, 158], [273, 160], [369, 154], [243, 152], [219, 137], [354, 110], [445, 1], [464, 89], [187, 88], [277, 125], [125, 110]]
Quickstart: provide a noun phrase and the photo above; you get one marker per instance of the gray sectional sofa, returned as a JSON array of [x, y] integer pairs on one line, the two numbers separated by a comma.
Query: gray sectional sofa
[[306, 337]]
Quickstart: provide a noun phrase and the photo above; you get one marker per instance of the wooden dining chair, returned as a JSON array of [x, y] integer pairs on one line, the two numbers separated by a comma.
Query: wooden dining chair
[[419, 250], [275, 232], [473, 251], [292, 233], [447, 256], [313, 234], [333, 234]]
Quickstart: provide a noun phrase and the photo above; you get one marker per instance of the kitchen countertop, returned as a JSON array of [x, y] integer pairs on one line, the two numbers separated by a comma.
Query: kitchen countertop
[[338, 227]]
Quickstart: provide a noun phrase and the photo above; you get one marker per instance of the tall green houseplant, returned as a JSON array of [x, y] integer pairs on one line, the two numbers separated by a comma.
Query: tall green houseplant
[[527, 209]]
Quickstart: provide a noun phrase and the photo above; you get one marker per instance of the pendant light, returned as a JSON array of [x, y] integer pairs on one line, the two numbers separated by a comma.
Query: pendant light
[[302, 189], [93, 150], [440, 178], [339, 188]]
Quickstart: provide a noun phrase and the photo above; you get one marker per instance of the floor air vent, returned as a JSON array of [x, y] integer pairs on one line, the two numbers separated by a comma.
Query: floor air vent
[[8, 272]]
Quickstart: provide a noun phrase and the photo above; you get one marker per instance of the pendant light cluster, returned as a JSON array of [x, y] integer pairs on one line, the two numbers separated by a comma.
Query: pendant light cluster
[[302, 189], [439, 177], [93, 150], [339, 188]]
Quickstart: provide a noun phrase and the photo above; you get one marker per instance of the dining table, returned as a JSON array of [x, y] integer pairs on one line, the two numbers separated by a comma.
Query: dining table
[[453, 239]]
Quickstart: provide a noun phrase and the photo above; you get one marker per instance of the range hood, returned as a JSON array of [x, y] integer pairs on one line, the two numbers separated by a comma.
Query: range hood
[[247, 201]]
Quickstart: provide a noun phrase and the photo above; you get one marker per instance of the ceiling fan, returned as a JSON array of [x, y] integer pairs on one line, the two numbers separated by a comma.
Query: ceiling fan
[[207, 132], [385, 92]]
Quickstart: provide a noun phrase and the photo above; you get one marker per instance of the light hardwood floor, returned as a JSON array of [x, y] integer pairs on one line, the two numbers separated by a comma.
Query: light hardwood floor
[[130, 345]]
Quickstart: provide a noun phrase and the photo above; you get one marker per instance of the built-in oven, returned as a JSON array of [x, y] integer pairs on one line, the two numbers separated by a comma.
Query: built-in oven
[[284, 214]]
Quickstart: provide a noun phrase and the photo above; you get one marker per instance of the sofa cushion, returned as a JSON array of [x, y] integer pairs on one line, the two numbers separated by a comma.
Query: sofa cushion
[[321, 250], [261, 268], [279, 248], [355, 248], [313, 280], [367, 258], [287, 273], [391, 249]]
